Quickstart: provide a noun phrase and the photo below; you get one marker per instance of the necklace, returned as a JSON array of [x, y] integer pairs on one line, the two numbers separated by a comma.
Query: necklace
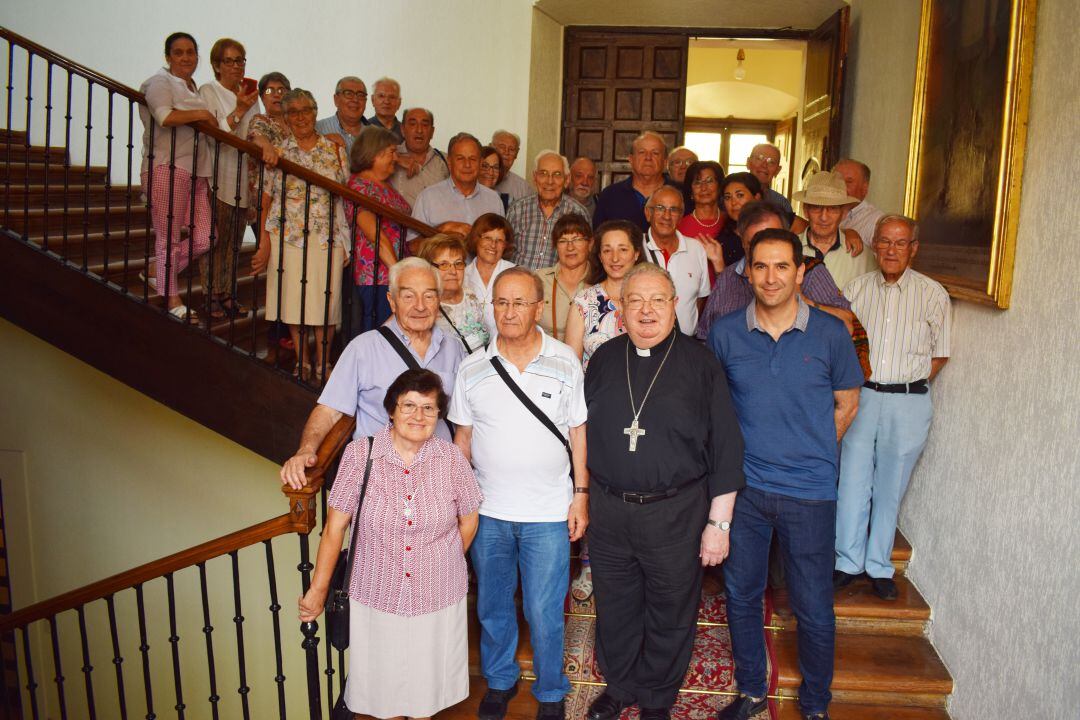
[[702, 222], [635, 430]]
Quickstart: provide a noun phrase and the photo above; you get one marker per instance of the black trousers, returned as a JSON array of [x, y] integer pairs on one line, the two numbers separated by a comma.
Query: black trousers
[[647, 583]]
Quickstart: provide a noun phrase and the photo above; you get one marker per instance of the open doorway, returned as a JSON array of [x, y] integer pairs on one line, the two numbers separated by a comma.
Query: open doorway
[[741, 92]]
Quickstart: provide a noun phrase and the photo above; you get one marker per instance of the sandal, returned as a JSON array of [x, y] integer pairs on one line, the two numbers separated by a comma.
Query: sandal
[[183, 314], [152, 281], [581, 587]]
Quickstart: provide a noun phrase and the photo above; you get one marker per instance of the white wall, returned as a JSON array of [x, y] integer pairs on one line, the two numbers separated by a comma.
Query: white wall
[[467, 60], [992, 511]]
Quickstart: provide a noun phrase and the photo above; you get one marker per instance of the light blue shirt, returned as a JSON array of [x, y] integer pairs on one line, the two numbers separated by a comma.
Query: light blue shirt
[[443, 202], [332, 124], [368, 367]]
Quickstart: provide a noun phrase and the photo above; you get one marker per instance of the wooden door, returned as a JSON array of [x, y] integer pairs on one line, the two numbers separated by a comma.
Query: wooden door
[[616, 85], [826, 60]]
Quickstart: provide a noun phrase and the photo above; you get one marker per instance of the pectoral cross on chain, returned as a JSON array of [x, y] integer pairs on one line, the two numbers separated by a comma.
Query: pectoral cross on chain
[[634, 432]]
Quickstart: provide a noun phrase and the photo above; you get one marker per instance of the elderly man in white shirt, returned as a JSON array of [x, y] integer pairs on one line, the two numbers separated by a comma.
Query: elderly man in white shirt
[[907, 319], [684, 258], [510, 401], [862, 216]]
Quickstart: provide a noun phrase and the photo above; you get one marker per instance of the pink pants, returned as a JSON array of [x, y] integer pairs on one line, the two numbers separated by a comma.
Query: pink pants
[[168, 243]]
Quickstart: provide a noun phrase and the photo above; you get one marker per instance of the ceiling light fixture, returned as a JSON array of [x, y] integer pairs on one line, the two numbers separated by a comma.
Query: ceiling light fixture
[[740, 71]]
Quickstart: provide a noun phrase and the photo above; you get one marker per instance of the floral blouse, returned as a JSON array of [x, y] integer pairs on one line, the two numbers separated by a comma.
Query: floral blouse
[[328, 160], [602, 320], [468, 319], [262, 125], [364, 248]]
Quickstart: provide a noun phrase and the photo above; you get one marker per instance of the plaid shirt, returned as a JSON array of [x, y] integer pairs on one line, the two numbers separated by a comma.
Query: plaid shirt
[[532, 231]]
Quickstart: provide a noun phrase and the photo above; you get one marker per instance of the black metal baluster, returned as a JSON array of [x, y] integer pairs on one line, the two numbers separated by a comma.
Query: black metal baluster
[[169, 290], [328, 292], [117, 660], [236, 238], [26, 143], [208, 630], [191, 227], [144, 650], [59, 677], [31, 683], [149, 195], [67, 171], [127, 195], [238, 618], [108, 187], [48, 152], [10, 139], [310, 632], [328, 651], [281, 258], [208, 291], [302, 350], [86, 182], [87, 668], [376, 263], [174, 640], [275, 614], [258, 244]]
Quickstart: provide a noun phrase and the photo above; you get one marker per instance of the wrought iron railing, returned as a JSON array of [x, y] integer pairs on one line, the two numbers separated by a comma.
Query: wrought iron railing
[[92, 216]]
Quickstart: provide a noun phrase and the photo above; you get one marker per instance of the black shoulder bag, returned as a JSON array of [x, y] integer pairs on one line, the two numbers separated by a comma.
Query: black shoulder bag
[[408, 358], [531, 407], [463, 340], [337, 601]]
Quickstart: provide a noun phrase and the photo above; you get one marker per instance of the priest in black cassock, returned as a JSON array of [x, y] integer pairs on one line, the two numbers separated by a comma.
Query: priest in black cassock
[[665, 461]]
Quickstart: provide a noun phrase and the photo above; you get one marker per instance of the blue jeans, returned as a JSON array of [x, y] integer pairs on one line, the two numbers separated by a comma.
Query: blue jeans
[[879, 452], [541, 551], [806, 531]]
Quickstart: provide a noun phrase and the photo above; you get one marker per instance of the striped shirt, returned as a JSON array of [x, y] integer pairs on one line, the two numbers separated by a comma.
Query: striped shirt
[[862, 219], [408, 557], [908, 323], [522, 469]]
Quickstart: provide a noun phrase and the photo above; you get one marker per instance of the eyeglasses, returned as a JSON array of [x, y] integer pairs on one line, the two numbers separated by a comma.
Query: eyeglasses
[[294, 112], [353, 94], [703, 181], [230, 62], [410, 408], [518, 305], [385, 96], [898, 244], [492, 240], [557, 176], [572, 240], [770, 161], [636, 302], [665, 210], [682, 163], [411, 297], [447, 265], [275, 91], [490, 167]]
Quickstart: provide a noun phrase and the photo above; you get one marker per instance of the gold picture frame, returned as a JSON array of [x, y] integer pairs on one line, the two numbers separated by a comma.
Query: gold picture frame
[[968, 132]]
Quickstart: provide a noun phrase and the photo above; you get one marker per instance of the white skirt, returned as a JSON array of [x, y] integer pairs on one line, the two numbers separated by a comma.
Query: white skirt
[[412, 666]]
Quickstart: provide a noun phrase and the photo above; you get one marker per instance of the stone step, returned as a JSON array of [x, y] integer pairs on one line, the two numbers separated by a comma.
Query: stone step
[[873, 669], [859, 610]]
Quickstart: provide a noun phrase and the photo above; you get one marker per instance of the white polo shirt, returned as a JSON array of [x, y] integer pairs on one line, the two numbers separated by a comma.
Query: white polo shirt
[[689, 268], [522, 469]]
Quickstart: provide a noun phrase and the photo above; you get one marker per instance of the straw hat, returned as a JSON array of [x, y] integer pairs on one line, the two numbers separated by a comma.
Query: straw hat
[[825, 188]]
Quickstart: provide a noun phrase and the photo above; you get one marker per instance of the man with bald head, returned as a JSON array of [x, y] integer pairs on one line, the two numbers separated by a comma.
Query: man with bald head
[[419, 164], [861, 217], [665, 461], [508, 145], [764, 163], [533, 217], [583, 183], [681, 256], [625, 200]]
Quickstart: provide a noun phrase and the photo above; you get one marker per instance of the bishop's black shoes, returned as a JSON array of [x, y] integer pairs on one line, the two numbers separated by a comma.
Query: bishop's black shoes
[[605, 707], [743, 708], [495, 702], [655, 713]]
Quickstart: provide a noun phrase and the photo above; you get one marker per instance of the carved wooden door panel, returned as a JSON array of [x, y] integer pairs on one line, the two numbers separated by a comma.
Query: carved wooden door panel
[[616, 85], [826, 59]]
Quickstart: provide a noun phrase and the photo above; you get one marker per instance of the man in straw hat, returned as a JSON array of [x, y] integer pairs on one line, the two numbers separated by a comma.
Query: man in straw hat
[[823, 203]]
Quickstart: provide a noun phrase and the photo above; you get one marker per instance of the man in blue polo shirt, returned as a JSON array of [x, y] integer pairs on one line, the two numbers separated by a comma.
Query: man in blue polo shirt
[[795, 381], [625, 200]]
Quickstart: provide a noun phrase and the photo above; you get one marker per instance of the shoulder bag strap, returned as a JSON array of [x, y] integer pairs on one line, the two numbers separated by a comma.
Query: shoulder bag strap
[[463, 340], [531, 407], [356, 515], [408, 358]]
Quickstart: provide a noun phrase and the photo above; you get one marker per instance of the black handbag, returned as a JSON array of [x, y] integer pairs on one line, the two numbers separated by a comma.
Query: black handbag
[[337, 600]]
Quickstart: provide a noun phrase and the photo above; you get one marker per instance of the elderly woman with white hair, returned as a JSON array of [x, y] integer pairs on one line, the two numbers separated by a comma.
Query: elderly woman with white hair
[[305, 237], [534, 217]]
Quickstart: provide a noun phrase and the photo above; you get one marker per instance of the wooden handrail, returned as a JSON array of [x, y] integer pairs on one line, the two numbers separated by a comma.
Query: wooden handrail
[[226, 138], [301, 518]]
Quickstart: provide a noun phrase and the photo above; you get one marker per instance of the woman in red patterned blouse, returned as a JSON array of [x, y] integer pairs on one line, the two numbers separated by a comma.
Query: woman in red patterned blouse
[[372, 162], [407, 591]]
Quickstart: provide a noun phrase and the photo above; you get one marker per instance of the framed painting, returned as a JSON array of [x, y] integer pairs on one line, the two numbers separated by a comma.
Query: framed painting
[[968, 129]]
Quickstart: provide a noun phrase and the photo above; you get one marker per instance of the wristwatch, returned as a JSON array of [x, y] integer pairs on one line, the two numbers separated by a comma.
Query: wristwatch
[[236, 118], [721, 525]]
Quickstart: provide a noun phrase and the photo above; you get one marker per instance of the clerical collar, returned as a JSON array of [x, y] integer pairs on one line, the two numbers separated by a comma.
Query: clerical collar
[[642, 352], [647, 352]]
